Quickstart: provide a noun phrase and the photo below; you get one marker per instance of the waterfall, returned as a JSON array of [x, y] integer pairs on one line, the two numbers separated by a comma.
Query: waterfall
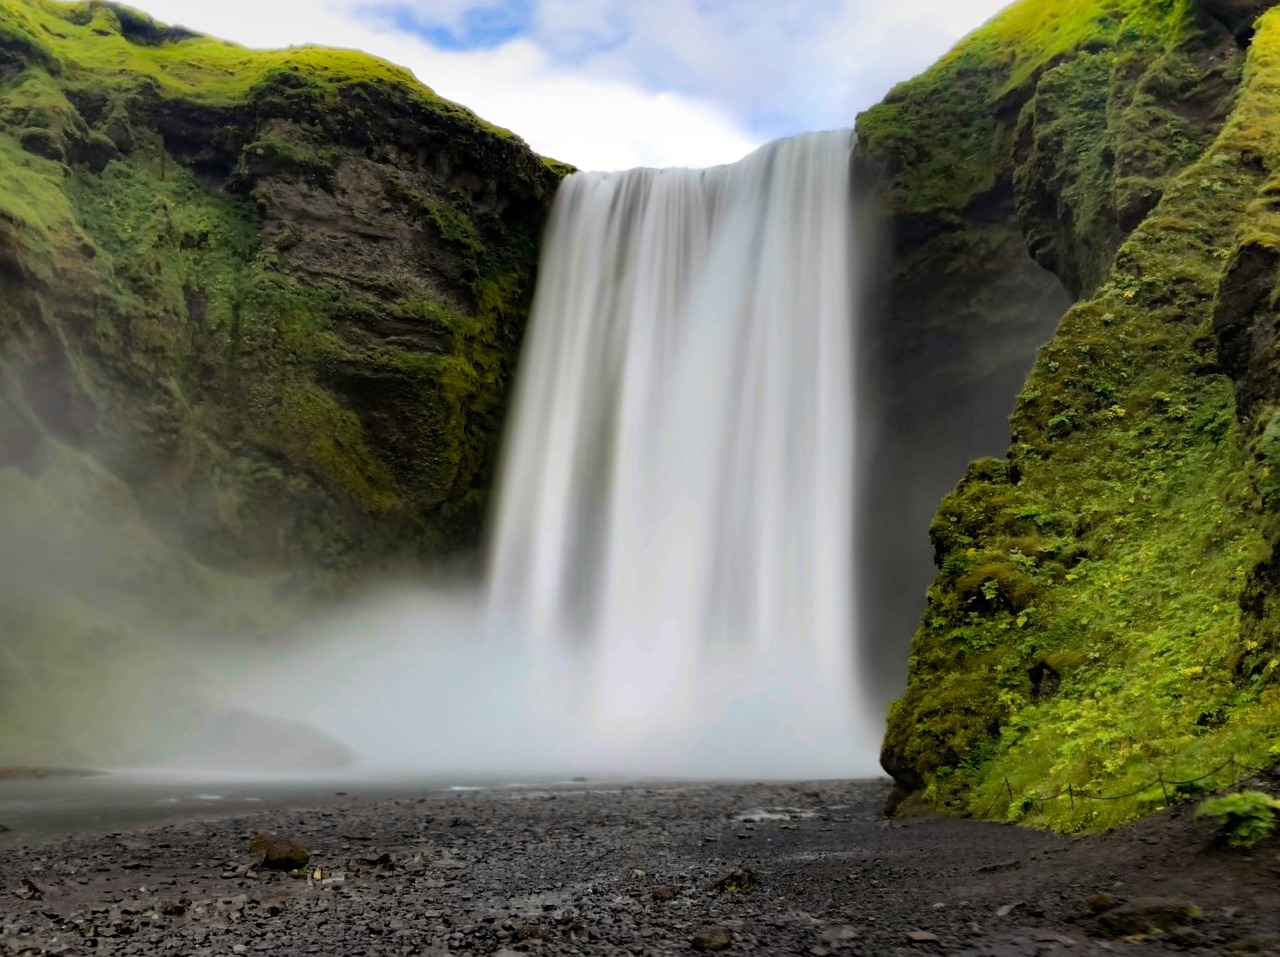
[[676, 501], [670, 586]]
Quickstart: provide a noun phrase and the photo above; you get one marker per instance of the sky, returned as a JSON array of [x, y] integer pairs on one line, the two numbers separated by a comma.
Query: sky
[[614, 84]]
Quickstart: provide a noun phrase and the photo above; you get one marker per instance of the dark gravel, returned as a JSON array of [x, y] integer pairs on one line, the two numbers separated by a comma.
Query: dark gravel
[[671, 869]]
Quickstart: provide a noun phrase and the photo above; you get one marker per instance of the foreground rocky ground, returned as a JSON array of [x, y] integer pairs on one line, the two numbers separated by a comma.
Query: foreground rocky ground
[[672, 869]]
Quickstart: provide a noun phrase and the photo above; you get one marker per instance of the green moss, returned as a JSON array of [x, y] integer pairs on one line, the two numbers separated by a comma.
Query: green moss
[[320, 436], [254, 378], [249, 400], [1244, 819], [107, 40], [945, 134], [559, 169], [272, 156], [455, 226], [1129, 474]]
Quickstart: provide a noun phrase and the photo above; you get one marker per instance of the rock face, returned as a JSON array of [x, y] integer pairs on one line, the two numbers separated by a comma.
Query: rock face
[[258, 315], [1238, 16], [1103, 608], [280, 295], [1009, 185]]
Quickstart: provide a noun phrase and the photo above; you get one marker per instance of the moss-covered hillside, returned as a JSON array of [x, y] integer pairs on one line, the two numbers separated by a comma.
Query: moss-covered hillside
[[1106, 607], [280, 293], [258, 312]]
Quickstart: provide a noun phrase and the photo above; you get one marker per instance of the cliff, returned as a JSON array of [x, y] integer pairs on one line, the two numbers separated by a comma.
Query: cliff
[[289, 284], [1103, 610], [258, 313]]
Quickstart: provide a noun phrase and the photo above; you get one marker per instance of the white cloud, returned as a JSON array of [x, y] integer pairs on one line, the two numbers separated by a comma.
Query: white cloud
[[776, 68], [606, 84], [594, 123]]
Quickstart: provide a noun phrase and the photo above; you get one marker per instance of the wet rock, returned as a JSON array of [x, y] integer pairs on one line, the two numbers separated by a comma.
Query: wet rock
[[1053, 938], [1147, 916], [1242, 309], [1237, 15], [1255, 944], [712, 939], [664, 895], [841, 935], [737, 882], [277, 853], [1101, 903], [175, 908], [534, 932], [1000, 866]]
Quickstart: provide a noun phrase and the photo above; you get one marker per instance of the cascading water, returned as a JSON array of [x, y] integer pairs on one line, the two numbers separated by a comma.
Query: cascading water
[[671, 584], [677, 495]]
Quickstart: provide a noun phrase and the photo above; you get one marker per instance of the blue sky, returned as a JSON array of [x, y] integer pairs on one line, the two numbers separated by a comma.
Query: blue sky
[[607, 84]]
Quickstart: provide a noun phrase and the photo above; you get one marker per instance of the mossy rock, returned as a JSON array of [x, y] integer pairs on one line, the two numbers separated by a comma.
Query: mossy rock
[[1105, 596], [276, 853], [218, 333], [1145, 916]]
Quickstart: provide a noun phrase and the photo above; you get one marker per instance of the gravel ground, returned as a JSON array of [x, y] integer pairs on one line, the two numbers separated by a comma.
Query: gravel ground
[[669, 869]]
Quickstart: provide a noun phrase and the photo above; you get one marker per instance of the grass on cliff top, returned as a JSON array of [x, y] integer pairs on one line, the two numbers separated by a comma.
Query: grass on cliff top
[[941, 133], [95, 41], [1083, 630]]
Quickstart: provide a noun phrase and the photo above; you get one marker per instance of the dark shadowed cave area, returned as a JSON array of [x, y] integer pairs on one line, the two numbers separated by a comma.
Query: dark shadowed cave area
[[941, 368]]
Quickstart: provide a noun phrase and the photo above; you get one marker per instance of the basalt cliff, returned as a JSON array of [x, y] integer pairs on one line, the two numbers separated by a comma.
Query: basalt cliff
[[1104, 614]]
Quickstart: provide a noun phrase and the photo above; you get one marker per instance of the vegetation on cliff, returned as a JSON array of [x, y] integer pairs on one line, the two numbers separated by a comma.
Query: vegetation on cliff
[[243, 246], [1099, 619], [267, 304]]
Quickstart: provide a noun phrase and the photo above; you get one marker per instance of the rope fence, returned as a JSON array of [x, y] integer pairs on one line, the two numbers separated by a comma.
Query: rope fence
[[1073, 793]]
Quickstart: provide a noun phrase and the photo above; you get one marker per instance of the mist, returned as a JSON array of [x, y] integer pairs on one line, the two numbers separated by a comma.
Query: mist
[[103, 621], [421, 681]]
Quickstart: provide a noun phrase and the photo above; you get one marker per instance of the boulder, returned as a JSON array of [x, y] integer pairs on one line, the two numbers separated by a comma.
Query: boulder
[[738, 882], [1147, 916], [279, 853], [712, 939]]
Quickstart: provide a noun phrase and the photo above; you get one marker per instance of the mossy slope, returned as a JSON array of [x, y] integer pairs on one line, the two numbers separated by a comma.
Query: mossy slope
[[284, 290], [1086, 629], [272, 299]]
